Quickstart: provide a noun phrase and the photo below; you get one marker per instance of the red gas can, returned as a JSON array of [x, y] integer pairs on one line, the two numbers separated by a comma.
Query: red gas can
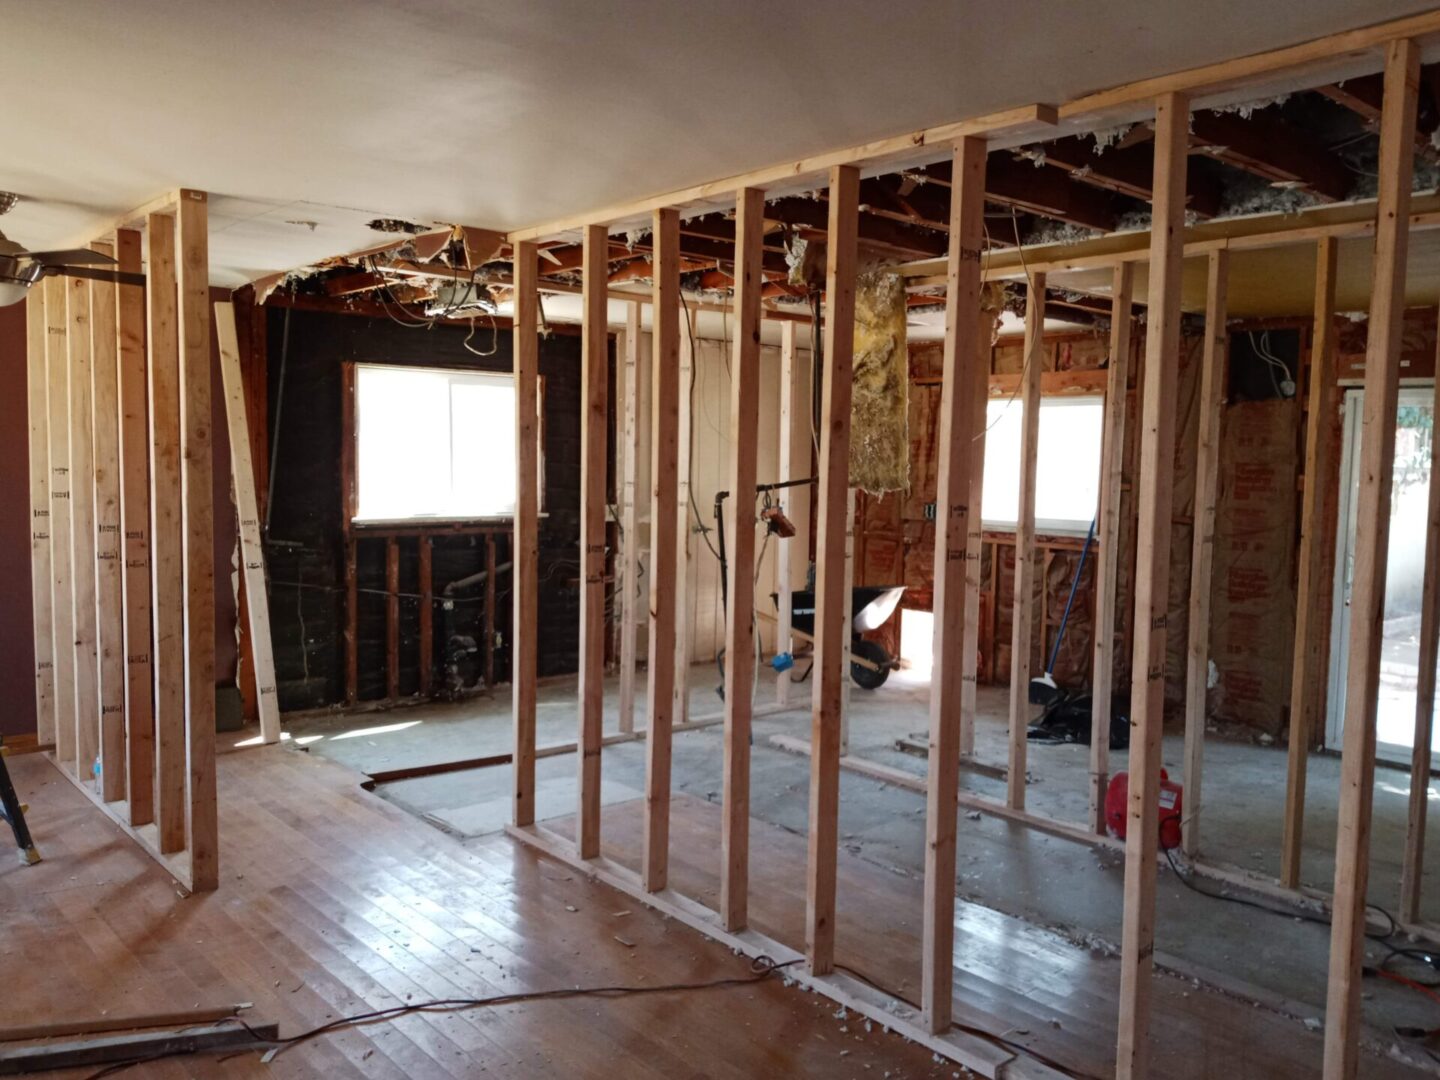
[[1117, 798]]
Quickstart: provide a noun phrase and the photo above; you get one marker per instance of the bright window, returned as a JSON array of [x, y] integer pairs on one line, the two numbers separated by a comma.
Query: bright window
[[433, 444], [1067, 467]]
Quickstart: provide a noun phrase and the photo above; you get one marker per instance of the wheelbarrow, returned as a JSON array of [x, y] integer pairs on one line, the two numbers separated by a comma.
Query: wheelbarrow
[[870, 664]]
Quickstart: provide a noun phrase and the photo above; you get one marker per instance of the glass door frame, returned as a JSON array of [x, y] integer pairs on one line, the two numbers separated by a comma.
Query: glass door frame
[[1352, 409]]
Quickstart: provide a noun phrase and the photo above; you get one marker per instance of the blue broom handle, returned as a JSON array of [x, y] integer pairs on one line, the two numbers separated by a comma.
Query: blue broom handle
[[1075, 584]]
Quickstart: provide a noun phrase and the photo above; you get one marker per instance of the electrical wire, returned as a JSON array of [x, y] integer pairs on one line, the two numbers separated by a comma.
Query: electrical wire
[[700, 527], [1380, 938], [1261, 348], [1029, 299], [494, 337], [761, 968], [1321, 920]]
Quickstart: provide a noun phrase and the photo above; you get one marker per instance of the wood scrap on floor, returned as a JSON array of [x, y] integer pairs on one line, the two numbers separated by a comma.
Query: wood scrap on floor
[[138, 1048]]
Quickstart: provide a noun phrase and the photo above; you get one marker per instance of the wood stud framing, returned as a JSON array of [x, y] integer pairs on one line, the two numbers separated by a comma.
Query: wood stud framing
[[196, 488], [1309, 673], [629, 570], [1152, 581], [975, 547], [832, 635], [122, 526], [952, 543], [167, 604], [427, 645], [426, 548], [740, 626], [525, 580], [1025, 551], [667, 460], [594, 367], [794, 457], [252, 554], [1157, 383], [37, 400], [109, 600], [1367, 594], [685, 565], [135, 520], [88, 407], [71, 402], [1202, 557], [120, 440], [1107, 556], [82, 530], [392, 618], [348, 496]]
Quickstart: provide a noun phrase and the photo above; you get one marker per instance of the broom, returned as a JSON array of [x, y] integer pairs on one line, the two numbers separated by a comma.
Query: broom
[[1043, 690]]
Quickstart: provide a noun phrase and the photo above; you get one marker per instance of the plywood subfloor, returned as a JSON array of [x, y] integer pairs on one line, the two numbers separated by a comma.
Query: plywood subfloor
[[333, 901], [1035, 987]]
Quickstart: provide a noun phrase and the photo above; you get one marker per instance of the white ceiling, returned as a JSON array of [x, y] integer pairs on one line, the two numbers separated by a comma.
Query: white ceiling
[[507, 114]]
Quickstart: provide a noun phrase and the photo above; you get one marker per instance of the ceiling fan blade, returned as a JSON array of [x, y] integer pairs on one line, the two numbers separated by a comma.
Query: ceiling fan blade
[[120, 277], [71, 257]]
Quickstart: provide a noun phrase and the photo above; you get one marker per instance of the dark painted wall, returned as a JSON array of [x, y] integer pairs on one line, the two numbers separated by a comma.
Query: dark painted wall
[[305, 544], [17, 646]]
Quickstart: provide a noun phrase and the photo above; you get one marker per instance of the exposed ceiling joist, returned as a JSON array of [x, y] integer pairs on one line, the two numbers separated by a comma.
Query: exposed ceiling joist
[[1364, 97], [1044, 190], [1041, 190], [721, 227], [351, 284], [1361, 96], [877, 233], [1272, 150], [1128, 171]]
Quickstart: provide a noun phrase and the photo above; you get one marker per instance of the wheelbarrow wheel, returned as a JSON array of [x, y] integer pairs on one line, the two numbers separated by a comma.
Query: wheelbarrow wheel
[[868, 678]]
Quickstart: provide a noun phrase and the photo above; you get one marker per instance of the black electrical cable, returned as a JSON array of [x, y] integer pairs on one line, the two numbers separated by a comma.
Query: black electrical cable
[[700, 527], [761, 968], [1320, 920]]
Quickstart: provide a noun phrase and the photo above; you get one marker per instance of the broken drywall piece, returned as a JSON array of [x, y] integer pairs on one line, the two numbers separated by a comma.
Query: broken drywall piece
[[1108, 137], [1246, 109]]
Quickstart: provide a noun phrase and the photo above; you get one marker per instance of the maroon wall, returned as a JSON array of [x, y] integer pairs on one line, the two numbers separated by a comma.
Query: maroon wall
[[17, 650], [17, 647]]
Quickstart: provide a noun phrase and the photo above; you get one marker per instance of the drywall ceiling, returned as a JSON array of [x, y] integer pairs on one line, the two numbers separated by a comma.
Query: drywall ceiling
[[305, 120], [1281, 280]]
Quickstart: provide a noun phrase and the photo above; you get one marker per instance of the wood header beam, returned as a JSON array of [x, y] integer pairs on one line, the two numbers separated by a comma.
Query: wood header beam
[[793, 176]]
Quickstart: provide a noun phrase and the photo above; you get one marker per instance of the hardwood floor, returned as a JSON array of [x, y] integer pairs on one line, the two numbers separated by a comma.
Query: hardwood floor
[[333, 901], [1036, 987]]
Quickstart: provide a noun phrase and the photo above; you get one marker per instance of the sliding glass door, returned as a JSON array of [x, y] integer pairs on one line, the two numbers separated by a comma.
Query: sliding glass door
[[1399, 653]]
